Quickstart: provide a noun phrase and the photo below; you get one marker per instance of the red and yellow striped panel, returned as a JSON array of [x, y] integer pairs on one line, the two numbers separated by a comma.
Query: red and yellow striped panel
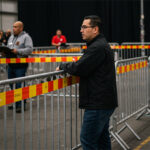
[[44, 51], [130, 46], [131, 67], [38, 59], [35, 90], [71, 50]]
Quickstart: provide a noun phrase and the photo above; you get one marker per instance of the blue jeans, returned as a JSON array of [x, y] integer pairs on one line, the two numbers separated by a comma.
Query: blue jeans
[[16, 73], [95, 130]]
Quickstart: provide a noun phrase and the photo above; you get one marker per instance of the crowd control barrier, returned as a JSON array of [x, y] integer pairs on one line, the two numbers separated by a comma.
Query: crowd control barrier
[[39, 63], [133, 95], [49, 62], [68, 48], [142, 51], [52, 119]]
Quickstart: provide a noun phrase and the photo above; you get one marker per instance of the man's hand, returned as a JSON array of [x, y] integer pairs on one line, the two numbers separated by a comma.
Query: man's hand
[[3, 54], [14, 51], [57, 69]]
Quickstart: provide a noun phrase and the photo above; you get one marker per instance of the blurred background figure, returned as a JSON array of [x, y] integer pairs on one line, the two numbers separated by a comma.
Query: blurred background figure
[[2, 39], [21, 44], [7, 35], [58, 39]]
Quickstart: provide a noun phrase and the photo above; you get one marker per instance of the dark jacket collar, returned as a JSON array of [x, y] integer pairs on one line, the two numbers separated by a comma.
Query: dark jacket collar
[[97, 37]]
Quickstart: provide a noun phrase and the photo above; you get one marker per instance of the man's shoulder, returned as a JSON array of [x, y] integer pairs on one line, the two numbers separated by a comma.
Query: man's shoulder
[[63, 36], [55, 36]]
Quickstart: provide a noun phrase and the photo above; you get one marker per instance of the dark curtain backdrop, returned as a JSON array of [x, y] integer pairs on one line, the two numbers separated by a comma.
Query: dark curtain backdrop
[[121, 19]]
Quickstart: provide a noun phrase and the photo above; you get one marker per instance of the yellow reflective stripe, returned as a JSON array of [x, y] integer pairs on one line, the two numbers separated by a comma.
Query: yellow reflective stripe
[[117, 70], [3, 99], [69, 59], [32, 90], [12, 60], [134, 47], [45, 87], [128, 68], [3, 60], [55, 85], [122, 47], [132, 67], [58, 59], [47, 59], [17, 95], [23, 60], [37, 60], [123, 69], [64, 82]]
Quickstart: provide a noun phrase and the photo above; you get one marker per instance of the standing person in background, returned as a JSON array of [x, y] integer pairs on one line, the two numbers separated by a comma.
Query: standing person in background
[[2, 39], [58, 39], [97, 87], [21, 44], [7, 35]]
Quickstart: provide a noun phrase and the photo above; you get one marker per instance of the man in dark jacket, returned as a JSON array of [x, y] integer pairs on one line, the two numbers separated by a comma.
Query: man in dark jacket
[[98, 95]]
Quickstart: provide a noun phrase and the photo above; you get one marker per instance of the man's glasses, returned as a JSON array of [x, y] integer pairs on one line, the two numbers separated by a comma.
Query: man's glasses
[[85, 27]]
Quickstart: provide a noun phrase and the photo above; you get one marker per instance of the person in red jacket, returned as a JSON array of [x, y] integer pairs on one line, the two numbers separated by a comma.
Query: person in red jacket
[[58, 39]]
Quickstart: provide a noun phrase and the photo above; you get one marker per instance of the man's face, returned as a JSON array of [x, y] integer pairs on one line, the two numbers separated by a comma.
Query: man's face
[[87, 30], [17, 28], [58, 33]]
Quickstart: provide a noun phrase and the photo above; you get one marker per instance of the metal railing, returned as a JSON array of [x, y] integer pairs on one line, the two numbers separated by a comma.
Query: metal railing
[[52, 108], [52, 120], [133, 94]]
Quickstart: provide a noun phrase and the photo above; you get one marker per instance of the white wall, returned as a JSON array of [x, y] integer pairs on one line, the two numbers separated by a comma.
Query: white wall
[[9, 13]]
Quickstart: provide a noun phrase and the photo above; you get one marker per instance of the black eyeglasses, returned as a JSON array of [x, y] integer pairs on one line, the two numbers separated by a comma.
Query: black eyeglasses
[[85, 27]]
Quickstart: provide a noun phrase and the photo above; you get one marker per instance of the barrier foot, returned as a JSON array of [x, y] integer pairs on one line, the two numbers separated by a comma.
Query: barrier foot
[[118, 140], [77, 147], [148, 111], [141, 114], [119, 137], [132, 131]]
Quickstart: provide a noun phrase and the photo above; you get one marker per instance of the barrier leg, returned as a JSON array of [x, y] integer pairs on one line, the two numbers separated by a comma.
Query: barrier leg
[[141, 114], [119, 137], [132, 131], [118, 140]]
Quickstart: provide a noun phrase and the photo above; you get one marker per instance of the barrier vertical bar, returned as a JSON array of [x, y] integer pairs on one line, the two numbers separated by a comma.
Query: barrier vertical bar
[[14, 122], [58, 115], [70, 90], [64, 99], [76, 116], [38, 122], [45, 122], [31, 124], [5, 124], [52, 121], [22, 119]]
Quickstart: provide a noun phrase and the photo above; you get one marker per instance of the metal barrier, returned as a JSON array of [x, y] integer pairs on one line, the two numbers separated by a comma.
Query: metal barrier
[[132, 86], [143, 51], [68, 48], [35, 68], [53, 113], [52, 120], [38, 63], [44, 49]]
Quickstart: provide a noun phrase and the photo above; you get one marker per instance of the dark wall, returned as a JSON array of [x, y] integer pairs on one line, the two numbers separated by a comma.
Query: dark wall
[[121, 18]]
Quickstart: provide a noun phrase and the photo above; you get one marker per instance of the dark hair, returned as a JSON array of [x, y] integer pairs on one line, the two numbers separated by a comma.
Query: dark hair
[[94, 21]]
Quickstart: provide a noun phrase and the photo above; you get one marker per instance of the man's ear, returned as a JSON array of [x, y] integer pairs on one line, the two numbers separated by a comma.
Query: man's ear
[[96, 29]]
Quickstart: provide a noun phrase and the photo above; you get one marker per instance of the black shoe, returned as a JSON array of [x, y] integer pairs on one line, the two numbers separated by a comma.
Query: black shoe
[[10, 107]]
